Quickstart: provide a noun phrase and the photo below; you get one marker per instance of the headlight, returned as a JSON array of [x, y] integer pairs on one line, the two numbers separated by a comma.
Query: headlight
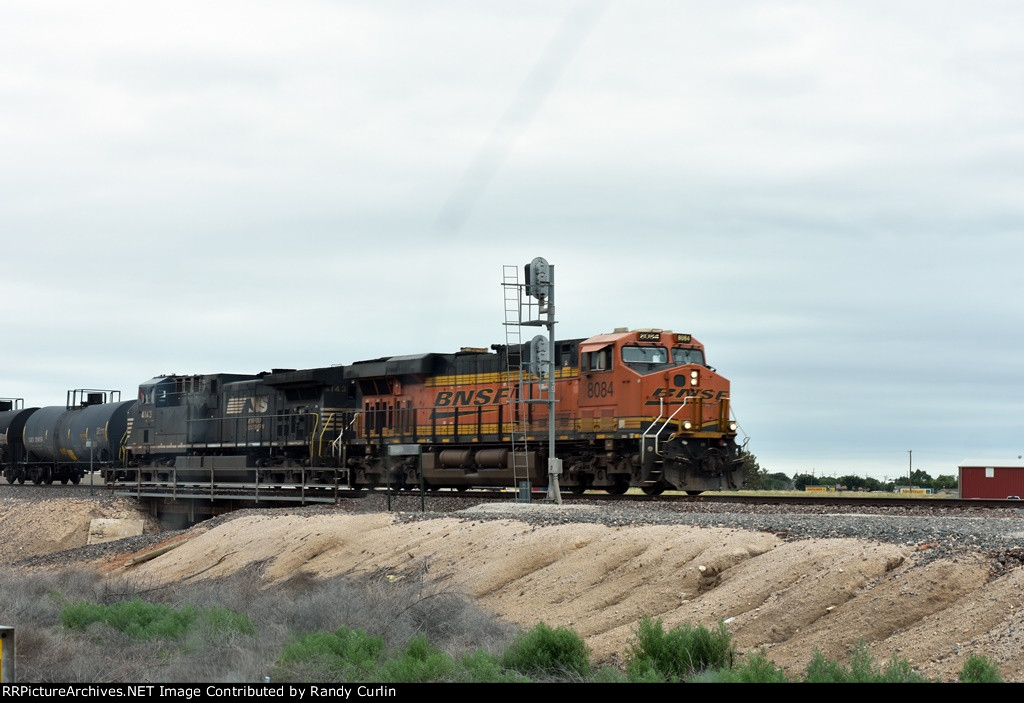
[[687, 424], [693, 377], [732, 426]]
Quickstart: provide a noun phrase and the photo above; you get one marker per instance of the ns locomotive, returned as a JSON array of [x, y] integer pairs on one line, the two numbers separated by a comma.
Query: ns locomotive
[[638, 408]]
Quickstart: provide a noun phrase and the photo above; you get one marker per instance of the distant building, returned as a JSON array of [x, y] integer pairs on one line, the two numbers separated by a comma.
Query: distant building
[[991, 479]]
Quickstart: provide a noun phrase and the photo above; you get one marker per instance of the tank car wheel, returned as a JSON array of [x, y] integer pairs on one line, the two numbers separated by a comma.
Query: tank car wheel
[[37, 476], [694, 493], [64, 481], [655, 490], [462, 489], [21, 480], [76, 479], [10, 479]]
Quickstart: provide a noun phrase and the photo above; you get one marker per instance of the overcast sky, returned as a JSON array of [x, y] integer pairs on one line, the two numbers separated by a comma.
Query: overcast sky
[[827, 194]]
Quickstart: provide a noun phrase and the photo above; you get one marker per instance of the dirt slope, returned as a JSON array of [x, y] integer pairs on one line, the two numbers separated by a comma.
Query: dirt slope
[[31, 527], [790, 598]]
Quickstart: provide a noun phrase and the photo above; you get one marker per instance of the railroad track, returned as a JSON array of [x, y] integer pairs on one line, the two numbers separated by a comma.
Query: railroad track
[[312, 493], [206, 499]]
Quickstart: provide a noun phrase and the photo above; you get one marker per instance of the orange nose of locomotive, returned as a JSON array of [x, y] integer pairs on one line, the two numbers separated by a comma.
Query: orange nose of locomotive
[[676, 383]]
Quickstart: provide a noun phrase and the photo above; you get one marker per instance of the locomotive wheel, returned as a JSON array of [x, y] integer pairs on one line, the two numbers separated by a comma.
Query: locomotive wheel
[[76, 479], [620, 487], [462, 489], [694, 493], [578, 489], [656, 490]]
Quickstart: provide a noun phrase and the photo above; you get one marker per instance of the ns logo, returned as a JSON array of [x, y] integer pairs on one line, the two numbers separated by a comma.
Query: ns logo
[[248, 405]]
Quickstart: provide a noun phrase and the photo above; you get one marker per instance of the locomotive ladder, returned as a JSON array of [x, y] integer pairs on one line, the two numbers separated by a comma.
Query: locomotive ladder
[[515, 373]]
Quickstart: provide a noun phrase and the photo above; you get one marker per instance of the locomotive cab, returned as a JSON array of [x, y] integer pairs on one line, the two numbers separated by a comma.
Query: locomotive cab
[[650, 394], [174, 414]]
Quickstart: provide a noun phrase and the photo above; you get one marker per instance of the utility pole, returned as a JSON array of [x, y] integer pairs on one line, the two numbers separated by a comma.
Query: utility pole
[[910, 471]]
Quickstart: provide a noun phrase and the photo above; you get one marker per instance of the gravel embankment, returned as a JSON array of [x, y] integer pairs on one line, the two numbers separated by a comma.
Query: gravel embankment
[[997, 534]]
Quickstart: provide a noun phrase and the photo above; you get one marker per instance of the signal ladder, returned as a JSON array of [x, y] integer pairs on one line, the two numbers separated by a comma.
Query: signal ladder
[[517, 311]]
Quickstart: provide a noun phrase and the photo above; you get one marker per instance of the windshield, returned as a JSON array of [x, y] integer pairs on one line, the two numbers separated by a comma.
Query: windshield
[[645, 359], [684, 355]]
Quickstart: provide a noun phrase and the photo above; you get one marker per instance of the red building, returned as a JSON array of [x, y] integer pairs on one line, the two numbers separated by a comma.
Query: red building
[[991, 479]]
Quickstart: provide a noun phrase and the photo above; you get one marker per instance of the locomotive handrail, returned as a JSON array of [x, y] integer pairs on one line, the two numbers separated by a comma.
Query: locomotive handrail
[[336, 443], [323, 430], [312, 435], [661, 414], [643, 437], [681, 406], [122, 451], [665, 424]]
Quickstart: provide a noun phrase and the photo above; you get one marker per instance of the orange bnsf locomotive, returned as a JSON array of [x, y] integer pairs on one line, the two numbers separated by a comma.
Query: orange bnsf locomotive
[[635, 408]]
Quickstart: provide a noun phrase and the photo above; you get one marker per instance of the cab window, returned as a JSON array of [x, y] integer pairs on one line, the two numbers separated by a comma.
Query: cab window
[[600, 360]]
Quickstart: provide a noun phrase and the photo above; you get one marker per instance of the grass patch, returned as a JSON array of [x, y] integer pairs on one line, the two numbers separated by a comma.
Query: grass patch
[[141, 620], [756, 668], [354, 655], [862, 669]]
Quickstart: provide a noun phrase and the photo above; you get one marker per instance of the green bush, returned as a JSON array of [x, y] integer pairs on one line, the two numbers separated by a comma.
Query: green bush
[[862, 669], [420, 662], [344, 654], [656, 655], [756, 668], [483, 667], [544, 652], [141, 620], [980, 670]]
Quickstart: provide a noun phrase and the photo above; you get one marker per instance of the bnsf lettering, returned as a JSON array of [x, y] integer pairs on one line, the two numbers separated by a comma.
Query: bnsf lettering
[[680, 393], [483, 396]]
